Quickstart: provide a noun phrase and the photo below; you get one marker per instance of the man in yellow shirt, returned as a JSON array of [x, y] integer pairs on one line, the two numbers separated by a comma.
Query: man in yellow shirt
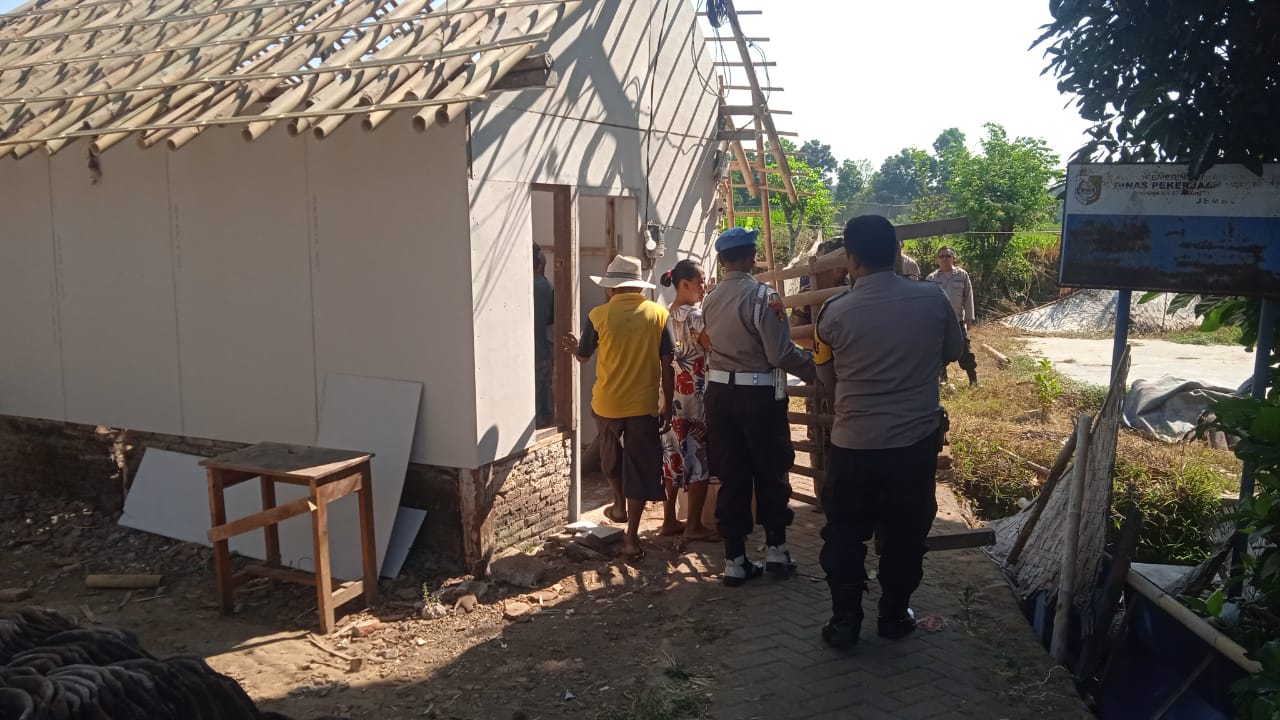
[[636, 350]]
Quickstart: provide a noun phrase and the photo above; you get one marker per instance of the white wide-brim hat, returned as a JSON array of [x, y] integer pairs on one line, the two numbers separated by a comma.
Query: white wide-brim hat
[[623, 272]]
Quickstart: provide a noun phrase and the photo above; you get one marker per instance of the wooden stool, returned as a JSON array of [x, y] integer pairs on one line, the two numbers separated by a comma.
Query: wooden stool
[[330, 474]]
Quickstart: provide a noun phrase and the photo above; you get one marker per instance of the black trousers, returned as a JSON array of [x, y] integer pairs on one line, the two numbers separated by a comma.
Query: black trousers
[[890, 490], [968, 361], [749, 449]]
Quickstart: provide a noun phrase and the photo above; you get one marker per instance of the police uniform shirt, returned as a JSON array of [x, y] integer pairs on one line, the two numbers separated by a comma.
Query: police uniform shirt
[[731, 312], [959, 291], [883, 342]]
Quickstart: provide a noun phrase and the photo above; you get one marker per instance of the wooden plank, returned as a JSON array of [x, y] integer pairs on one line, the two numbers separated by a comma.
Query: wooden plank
[[805, 447], [802, 332], [324, 579], [1050, 484], [348, 592], [271, 533], [278, 514], [287, 462], [122, 582], [758, 96], [812, 297], [740, 109], [767, 89], [754, 63], [804, 497], [808, 472], [796, 418], [801, 391], [736, 135], [723, 38], [980, 537], [221, 549], [330, 491]]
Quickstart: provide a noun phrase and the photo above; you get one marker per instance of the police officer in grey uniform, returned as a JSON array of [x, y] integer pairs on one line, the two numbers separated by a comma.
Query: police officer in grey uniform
[[748, 434], [880, 345]]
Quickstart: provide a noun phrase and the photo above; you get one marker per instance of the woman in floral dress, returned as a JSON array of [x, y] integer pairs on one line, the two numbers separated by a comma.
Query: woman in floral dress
[[685, 445]]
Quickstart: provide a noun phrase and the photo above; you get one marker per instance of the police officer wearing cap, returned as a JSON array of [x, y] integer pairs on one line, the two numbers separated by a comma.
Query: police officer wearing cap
[[748, 434]]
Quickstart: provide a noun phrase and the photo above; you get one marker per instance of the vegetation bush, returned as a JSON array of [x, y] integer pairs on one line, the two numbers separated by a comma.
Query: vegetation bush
[[1181, 509]]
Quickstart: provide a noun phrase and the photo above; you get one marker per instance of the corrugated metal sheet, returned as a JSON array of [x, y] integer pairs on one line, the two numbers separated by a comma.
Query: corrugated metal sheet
[[163, 70]]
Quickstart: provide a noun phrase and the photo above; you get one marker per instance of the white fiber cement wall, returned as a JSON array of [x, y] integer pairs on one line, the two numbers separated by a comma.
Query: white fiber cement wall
[[207, 292], [634, 115]]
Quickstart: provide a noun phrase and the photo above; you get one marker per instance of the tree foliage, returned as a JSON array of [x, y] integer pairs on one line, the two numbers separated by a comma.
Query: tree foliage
[[1193, 82], [1003, 189], [818, 156]]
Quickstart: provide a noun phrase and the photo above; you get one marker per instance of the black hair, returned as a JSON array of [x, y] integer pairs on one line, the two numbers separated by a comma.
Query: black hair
[[684, 270], [945, 248], [538, 258], [737, 254], [872, 240]]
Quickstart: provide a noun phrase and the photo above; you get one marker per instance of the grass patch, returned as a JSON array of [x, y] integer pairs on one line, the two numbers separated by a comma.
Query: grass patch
[[1181, 506], [1177, 486], [679, 694], [1225, 335]]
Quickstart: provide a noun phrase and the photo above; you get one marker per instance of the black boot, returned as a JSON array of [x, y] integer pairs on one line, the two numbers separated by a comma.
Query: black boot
[[841, 631], [896, 620]]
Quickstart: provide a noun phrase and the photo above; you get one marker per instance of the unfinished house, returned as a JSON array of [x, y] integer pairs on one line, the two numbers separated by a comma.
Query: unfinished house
[[211, 206]]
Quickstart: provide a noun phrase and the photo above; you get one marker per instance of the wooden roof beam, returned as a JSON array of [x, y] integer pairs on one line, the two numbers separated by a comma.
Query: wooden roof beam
[[775, 145]]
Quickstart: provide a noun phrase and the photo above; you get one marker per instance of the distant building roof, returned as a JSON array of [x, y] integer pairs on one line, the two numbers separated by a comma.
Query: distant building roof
[[163, 70]]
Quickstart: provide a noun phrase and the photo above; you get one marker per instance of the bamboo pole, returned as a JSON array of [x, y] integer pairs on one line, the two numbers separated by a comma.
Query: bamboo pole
[[1067, 573]]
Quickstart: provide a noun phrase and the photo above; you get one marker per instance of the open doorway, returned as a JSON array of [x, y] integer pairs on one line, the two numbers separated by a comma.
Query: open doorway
[[554, 267]]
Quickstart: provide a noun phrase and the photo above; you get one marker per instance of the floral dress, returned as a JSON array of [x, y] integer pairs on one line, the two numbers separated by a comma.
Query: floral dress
[[685, 444]]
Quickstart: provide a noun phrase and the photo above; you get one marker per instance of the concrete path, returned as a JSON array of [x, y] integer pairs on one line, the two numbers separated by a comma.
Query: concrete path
[[1090, 360], [983, 664]]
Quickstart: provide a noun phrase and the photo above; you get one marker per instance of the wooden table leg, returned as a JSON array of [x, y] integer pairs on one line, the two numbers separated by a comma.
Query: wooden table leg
[[271, 532], [368, 541], [324, 578], [222, 548]]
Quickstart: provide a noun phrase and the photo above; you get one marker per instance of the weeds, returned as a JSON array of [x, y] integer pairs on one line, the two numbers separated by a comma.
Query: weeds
[[1181, 508], [1226, 335], [678, 695], [1048, 388]]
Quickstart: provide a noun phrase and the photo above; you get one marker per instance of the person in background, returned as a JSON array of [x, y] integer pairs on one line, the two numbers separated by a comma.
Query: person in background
[[544, 320], [685, 444], [905, 265], [959, 289], [748, 434], [880, 346], [636, 355]]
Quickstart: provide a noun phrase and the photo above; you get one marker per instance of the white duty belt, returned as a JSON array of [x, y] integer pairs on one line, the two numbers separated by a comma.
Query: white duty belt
[[741, 379]]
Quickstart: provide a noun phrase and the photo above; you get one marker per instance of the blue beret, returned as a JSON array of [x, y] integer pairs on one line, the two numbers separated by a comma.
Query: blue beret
[[736, 237]]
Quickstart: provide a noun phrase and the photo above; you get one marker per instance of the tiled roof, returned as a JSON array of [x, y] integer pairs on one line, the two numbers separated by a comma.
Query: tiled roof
[[163, 70]]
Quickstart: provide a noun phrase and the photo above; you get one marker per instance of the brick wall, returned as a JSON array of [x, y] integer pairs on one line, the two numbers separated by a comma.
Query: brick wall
[[515, 500], [61, 460]]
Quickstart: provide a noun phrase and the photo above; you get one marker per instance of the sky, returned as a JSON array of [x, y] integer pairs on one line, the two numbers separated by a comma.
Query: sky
[[870, 78]]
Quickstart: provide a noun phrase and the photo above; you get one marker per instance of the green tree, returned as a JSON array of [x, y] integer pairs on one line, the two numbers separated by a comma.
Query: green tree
[[812, 208], [1003, 189], [1193, 82], [902, 178], [853, 182], [947, 149], [818, 156]]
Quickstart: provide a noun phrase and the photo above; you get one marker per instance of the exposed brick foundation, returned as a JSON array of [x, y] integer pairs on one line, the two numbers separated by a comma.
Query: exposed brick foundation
[[515, 500], [471, 514]]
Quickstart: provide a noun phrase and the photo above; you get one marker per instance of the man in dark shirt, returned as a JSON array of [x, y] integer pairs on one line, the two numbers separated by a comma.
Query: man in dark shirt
[[880, 346], [544, 319]]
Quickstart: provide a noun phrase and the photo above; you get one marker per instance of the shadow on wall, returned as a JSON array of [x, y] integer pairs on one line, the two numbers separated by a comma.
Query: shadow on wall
[[635, 148]]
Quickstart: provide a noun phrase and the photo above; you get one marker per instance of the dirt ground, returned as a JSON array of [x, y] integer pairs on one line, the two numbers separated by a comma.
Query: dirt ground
[[602, 636]]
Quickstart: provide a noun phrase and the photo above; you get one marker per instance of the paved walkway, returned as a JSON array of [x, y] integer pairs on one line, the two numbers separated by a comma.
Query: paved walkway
[[983, 664]]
